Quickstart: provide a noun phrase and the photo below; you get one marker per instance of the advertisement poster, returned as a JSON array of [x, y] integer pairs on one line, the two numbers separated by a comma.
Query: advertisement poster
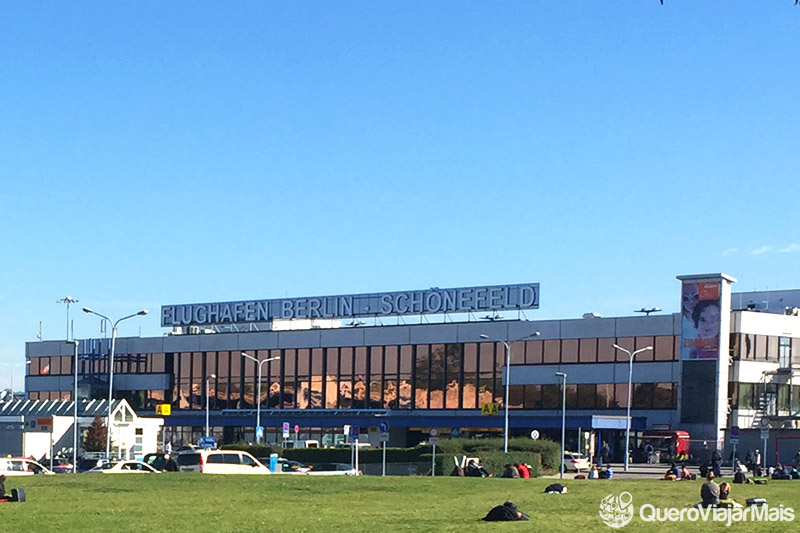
[[700, 319]]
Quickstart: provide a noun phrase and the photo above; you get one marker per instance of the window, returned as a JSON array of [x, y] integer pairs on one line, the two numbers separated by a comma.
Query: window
[[569, 351], [605, 395], [516, 395], [551, 396], [533, 352], [628, 344], [644, 342], [665, 348], [761, 347], [664, 396], [746, 395], [643, 395], [533, 396], [588, 351], [784, 352], [469, 392], [552, 353], [587, 395], [606, 353]]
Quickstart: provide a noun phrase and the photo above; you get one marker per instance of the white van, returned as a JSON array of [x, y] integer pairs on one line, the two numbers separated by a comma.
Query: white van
[[19, 466], [219, 462]]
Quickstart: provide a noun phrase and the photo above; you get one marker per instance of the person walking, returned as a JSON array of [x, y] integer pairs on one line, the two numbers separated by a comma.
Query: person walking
[[756, 463], [716, 461]]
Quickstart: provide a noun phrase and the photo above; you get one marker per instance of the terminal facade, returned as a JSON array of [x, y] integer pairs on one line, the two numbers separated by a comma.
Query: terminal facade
[[726, 360]]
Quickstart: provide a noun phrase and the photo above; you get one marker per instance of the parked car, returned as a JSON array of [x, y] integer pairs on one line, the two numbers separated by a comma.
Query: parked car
[[20, 466], [332, 469], [123, 467], [62, 465], [87, 464], [156, 460], [575, 462], [220, 462], [285, 466]]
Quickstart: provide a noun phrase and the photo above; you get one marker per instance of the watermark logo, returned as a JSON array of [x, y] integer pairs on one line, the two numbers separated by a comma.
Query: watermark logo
[[617, 511]]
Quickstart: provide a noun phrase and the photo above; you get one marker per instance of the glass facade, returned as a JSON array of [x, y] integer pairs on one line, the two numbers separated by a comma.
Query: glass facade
[[420, 376]]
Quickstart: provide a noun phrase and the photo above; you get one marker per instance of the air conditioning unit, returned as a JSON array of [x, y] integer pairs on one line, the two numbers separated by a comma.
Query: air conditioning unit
[[194, 330]]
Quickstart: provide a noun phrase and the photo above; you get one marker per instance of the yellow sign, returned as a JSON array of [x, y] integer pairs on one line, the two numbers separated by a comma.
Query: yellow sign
[[164, 409], [490, 408]]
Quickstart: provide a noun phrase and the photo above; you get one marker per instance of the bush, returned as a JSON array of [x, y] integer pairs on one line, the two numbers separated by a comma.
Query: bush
[[542, 455]]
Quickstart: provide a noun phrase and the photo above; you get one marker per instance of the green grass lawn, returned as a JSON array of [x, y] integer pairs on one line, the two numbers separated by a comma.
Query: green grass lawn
[[200, 503]]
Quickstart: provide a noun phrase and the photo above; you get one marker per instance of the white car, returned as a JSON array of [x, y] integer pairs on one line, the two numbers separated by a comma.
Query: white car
[[19, 466], [220, 462], [575, 462], [123, 467]]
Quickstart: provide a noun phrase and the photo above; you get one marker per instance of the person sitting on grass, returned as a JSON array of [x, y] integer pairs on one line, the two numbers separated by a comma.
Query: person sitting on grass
[[686, 475], [709, 492], [507, 512], [524, 471], [725, 496], [511, 471], [475, 470]]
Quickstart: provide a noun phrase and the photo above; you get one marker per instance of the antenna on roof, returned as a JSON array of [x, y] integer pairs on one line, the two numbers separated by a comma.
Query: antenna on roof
[[648, 311]]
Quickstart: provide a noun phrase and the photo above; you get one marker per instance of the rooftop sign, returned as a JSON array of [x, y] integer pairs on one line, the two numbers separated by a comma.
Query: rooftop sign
[[430, 301]]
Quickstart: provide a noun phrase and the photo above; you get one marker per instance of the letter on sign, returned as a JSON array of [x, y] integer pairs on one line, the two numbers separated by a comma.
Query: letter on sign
[[489, 409]]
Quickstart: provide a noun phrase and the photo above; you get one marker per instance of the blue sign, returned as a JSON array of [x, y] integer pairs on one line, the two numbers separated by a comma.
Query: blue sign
[[207, 442], [383, 426], [260, 432], [455, 432], [355, 431]]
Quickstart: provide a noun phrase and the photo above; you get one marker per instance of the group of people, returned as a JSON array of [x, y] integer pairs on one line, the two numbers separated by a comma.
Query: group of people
[[714, 495], [679, 473], [517, 471], [472, 469], [597, 473]]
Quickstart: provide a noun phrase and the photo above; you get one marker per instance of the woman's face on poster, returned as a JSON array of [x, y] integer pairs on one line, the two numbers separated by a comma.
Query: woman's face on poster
[[689, 299], [708, 322]]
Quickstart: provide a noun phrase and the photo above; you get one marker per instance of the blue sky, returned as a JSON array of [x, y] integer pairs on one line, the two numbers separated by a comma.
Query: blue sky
[[159, 153]]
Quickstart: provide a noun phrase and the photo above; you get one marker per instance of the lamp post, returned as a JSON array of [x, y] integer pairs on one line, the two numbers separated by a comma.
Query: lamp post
[[258, 387], [75, 409], [111, 367], [631, 355], [13, 369], [68, 300], [508, 376], [208, 379], [563, 375]]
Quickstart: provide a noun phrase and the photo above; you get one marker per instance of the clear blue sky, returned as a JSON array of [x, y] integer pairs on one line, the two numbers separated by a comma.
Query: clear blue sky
[[156, 153]]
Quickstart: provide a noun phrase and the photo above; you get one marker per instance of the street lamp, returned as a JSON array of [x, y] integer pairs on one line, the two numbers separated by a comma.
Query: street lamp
[[13, 368], [508, 376], [68, 300], [75, 410], [258, 387], [631, 355], [208, 379], [111, 367], [563, 375]]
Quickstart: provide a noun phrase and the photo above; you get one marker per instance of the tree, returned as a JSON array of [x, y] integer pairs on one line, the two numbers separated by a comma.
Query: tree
[[95, 438]]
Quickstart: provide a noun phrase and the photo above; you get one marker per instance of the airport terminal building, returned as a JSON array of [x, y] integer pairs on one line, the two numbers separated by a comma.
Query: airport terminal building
[[436, 358]]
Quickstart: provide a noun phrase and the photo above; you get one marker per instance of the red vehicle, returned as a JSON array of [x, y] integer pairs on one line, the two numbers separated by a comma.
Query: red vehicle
[[667, 443]]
